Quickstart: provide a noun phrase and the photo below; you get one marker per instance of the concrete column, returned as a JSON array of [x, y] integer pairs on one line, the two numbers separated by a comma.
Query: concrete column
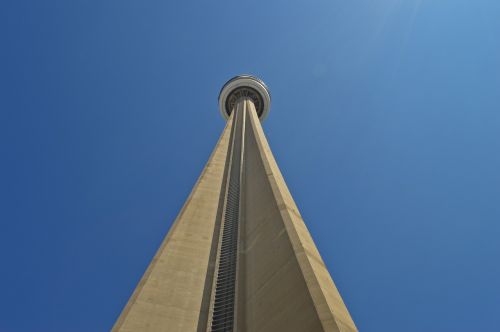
[[242, 206]]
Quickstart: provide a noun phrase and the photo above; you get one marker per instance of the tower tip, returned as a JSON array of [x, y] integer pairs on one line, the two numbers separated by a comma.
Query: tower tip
[[245, 86]]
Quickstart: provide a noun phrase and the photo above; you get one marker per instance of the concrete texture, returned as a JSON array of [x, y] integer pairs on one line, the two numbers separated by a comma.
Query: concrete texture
[[286, 285], [282, 283], [170, 294]]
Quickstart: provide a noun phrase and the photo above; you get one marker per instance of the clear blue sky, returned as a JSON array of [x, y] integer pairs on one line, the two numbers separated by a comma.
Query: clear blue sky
[[385, 122]]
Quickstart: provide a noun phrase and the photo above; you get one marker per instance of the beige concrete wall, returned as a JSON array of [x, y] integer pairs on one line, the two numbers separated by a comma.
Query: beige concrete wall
[[285, 283], [170, 296]]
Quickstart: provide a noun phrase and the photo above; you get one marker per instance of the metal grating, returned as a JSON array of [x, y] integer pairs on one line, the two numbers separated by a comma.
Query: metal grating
[[223, 312]]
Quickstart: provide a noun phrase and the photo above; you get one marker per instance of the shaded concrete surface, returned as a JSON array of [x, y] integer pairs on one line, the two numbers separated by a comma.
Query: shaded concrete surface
[[286, 284]]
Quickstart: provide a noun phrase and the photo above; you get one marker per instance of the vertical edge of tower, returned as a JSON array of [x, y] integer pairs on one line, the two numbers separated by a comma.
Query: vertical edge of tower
[[278, 229], [173, 293]]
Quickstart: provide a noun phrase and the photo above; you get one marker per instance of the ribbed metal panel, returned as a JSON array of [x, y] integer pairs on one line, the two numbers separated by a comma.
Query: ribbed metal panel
[[223, 309]]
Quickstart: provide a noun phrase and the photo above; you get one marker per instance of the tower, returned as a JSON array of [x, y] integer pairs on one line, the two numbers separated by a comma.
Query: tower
[[239, 256]]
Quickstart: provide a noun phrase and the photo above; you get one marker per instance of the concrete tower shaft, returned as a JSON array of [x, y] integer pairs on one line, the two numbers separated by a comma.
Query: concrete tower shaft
[[239, 256]]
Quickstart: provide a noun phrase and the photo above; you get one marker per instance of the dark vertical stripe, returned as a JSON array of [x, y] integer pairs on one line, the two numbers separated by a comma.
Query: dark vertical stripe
[[210, 275], [223, 312]]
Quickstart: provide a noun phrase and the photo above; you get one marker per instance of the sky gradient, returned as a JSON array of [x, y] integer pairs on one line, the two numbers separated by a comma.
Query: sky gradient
[[385, 122]]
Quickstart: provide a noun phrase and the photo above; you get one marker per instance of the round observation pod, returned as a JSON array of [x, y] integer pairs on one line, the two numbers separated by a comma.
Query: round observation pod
[[245, 86]]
